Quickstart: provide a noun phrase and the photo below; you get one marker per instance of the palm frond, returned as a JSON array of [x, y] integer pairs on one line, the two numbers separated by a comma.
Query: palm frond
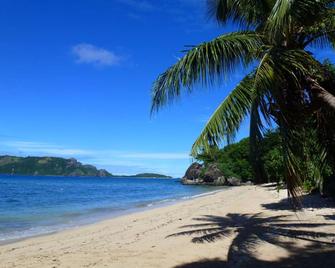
[[206, 63], [296, 16], [285, 65], [265, 77], [322, 33], [256, 137], [266, 85], [278, 20], [280, 67], [227, 118], [331, 38], [243, 12], [291, 164], [309, 12], [318, 154]]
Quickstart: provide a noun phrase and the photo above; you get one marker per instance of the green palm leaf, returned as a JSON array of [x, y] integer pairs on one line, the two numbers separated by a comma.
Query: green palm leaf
[[227, 118], [322, 32], [206, 63], [243, 12], [256, 137], [278, 19], [289, 15]]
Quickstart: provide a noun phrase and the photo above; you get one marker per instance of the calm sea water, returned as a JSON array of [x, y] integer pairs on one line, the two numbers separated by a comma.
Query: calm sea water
[[37, 205]]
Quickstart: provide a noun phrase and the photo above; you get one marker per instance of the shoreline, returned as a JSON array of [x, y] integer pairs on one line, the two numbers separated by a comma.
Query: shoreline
[[86, 176], [110, 216], [165, 236]]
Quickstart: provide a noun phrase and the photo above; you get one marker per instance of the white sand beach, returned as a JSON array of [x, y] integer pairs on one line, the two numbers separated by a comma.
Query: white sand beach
[[247, 226]]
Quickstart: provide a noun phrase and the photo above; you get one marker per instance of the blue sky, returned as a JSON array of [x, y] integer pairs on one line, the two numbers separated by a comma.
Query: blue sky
[[75, 80]]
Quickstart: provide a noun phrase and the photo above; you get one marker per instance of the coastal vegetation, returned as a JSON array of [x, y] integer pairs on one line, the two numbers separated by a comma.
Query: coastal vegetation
[[42, 166], [57, 166], [234, 161], [287, 87]]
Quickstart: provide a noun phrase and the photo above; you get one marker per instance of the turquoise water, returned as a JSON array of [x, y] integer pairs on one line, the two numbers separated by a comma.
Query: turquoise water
[[38, 205]]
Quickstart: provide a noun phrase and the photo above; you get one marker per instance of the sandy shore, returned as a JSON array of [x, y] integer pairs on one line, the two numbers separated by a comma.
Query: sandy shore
[[240, 227]]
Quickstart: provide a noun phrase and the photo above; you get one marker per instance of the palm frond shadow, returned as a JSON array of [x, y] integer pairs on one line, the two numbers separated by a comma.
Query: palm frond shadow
[[329, 217], [249, 230], [307, 201]]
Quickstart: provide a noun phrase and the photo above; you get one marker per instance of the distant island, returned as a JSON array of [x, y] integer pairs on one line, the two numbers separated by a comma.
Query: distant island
[[57, 166], [146, 175], [52, 166]]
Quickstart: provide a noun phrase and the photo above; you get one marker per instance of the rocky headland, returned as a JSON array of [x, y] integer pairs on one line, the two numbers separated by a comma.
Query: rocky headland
[[198, 174]]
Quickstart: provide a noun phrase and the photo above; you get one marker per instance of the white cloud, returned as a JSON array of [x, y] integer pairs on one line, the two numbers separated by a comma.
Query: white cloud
[[44, 148], [118, 162], [51, 149], [160, 156], [90, 54]]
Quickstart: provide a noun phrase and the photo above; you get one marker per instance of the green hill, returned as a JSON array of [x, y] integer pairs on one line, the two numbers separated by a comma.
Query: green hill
[[56, 166], [48, 166]]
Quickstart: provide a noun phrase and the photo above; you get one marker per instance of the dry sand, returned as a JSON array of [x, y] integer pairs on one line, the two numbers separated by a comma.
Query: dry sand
[[245, 226]]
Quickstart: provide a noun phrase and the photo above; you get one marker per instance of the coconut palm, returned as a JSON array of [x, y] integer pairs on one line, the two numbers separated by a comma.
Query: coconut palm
[[287, 85]]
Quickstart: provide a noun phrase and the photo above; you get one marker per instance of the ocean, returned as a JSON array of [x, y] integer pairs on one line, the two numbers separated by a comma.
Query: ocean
[[33, 205]]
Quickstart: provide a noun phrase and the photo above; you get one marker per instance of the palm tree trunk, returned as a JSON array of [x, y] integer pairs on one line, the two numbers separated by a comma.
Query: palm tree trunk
[[321, 93]]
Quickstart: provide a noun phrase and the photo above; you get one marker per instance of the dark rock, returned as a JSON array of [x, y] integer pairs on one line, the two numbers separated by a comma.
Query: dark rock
[[212, 173], [198, 174], [193, 172], [186, 181], [234, 181], [103, 173], [221, 181], [72, 163], [328, 189]]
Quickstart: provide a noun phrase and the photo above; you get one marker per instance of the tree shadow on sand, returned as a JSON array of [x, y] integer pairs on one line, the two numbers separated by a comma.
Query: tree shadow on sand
[[329, 217], [312, 201], [250, 230]]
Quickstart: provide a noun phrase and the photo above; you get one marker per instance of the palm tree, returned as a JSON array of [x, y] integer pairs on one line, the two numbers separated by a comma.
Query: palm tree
[[287, 85]]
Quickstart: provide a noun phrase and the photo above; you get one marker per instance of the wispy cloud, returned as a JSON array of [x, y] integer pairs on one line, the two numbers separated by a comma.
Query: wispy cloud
[[51, 149], [90, 54], [189, 13], [44, 148], [125, 162], [140, 5], [160, 156]]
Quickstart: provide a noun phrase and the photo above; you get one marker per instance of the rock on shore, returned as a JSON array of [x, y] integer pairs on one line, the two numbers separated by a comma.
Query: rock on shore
[[211, 174]]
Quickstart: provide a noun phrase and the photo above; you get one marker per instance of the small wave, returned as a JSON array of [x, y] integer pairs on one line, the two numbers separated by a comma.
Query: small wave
[[158, 202], [56, 220], [72, 215], [104, 209], [201, 195], [31, 232], [171, 200]]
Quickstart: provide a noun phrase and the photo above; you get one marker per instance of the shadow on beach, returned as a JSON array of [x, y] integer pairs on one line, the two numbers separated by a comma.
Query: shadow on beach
[[250, 230], [309, 201], [306, 258]]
